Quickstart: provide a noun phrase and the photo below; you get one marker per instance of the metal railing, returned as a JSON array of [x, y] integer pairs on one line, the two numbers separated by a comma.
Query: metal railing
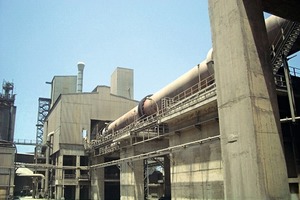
[[84, 176], [151, 124], [25, 142], [280, 80], [194, 89], [283, 43], [294, 71], [195, 92], [69, 176]]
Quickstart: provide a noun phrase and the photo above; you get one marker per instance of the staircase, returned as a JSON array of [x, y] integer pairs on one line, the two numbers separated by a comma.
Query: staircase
[[283, 43]]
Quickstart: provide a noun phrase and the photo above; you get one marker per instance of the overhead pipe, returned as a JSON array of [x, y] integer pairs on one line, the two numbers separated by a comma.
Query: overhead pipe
[[151, 103], [148, 106]]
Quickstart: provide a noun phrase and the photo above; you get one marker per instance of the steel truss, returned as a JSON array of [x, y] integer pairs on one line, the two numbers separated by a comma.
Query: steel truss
[[43, 109]]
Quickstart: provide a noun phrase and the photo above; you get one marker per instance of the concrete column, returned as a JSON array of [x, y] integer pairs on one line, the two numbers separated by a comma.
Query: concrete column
[[77, 189], [60, 179], [131, 176], [167, 169], [252, 153], [97, 179]]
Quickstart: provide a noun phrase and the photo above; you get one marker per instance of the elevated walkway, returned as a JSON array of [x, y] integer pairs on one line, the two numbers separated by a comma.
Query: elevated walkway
[[25, 142]]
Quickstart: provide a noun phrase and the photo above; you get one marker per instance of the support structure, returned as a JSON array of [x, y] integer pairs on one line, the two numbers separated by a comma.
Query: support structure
[[289, 88], [43, 109], [254, 164]]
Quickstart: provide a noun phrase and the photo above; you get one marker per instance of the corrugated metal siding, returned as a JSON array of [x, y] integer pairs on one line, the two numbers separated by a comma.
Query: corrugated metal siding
[[4, 122], [63, 85], [76, 112], [55, 140], [7, 169], [110, 107], [122, 82], [53, 124]]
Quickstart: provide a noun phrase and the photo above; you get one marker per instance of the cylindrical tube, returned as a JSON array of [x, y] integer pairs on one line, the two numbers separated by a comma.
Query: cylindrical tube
[[148, 106], [80, 66]]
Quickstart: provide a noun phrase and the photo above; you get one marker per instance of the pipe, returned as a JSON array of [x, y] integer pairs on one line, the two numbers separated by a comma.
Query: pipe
[[151, 103], [289, 88], [148, 107], [49, 135], [289, 119], [80, 66], [47, 161]]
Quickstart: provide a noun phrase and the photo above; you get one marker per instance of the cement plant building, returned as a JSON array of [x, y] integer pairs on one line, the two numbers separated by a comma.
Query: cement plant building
[[226, 129]]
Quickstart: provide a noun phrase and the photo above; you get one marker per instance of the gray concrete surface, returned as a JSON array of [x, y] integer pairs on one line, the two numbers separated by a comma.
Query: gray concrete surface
[[254, 166]]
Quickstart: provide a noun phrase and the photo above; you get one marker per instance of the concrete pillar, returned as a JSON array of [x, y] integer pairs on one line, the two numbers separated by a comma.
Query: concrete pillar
[[167, 169], [59, 179], [131, 176], [252, 153], [97, 179], [77, 189]]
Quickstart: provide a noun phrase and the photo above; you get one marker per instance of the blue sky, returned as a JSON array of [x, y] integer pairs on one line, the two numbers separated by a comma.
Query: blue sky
[[159, 39]]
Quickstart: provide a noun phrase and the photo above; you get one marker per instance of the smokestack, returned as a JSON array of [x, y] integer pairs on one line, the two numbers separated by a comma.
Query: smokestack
[[80, 66]]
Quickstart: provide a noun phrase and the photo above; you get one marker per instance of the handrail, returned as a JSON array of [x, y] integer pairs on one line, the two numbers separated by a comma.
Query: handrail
[[25, 142], [201, 90], [283, 43], [294, 71]]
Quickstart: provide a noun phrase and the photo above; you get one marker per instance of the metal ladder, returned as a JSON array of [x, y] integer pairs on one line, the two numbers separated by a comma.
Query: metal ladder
[[283, 43]]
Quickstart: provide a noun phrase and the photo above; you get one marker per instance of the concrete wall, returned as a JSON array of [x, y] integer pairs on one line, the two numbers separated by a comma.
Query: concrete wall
[[132, 173], [122, 82], [196, 171], [73, 113], [62, 85]]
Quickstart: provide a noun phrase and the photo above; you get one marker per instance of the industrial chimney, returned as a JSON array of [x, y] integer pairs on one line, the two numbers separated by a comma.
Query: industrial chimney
[[80, 66]]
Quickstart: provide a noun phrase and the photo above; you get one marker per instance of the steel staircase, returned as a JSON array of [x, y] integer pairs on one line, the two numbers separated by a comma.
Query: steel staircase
[[283, 43]]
